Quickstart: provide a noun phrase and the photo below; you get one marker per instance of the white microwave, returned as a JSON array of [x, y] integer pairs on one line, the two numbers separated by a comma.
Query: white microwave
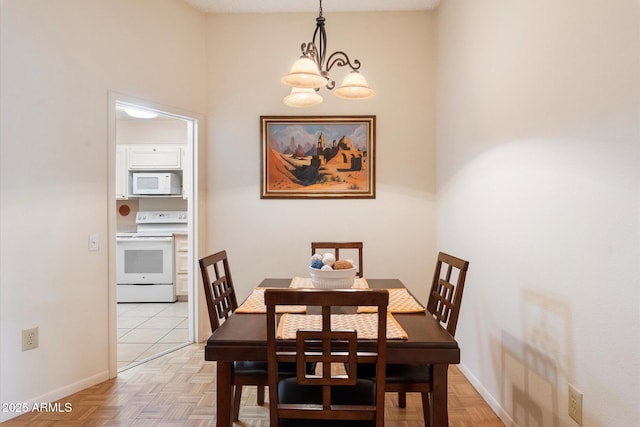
[[156, 183]]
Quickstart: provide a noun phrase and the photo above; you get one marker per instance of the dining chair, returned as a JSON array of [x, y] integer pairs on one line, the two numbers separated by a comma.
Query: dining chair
[[331, 395], [445, 298], [336, 246], [221, 303]]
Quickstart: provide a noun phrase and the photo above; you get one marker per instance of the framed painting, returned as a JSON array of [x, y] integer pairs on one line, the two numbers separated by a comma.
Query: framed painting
[[318, 157]]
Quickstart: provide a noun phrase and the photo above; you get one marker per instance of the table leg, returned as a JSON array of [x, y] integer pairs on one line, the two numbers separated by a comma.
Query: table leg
[[224, 393], [439, 396]]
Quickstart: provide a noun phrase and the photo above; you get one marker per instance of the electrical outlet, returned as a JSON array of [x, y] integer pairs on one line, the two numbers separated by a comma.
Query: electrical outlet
[[575, 404], [29, 339]]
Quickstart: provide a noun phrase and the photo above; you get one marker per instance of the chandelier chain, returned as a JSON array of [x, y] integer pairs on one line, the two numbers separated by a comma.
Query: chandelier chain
[[317, 51]]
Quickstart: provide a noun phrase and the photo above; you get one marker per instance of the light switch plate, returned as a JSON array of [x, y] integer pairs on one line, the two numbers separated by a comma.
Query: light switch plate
[[94, 244]]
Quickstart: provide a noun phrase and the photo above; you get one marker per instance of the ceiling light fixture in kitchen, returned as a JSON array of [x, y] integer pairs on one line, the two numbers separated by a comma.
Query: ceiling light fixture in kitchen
[[310, 72], [139, 113]]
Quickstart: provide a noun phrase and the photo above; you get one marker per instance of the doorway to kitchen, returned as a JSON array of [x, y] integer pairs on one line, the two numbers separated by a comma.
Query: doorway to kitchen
[[153, 222]]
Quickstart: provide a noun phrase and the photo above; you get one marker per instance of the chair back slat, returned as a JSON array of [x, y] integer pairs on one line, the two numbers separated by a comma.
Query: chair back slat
[[445, 296], [328, 348], [218, 288], [336, 246]]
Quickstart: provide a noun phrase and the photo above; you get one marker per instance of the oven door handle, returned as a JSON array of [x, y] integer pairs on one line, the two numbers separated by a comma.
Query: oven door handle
[[144, 239]]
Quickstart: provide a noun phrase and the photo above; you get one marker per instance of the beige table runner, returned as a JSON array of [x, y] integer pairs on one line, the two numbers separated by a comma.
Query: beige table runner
[[366, 325], [400, 301], [305, 282], [255, 304]]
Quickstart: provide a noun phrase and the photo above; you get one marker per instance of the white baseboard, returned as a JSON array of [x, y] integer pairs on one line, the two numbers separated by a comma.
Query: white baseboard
[[58, 394], [491, 401]]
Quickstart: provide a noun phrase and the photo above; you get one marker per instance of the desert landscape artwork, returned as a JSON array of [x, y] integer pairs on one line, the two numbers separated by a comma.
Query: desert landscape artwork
[[318, 157]]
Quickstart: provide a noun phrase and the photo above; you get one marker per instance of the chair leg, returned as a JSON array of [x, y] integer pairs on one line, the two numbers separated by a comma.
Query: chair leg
[[236, 402], [426, 408], [260, 395], [402, 399]]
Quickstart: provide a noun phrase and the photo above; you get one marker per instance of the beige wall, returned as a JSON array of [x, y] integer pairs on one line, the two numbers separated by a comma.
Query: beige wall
[[248, 54], [59, 61], [537, 182], [538, 186]]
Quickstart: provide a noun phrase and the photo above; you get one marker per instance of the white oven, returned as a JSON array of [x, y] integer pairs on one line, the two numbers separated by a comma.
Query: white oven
[[145, 259], [144, 268]]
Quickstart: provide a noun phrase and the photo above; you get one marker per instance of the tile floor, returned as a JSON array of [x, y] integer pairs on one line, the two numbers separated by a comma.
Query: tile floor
[[146, 330]]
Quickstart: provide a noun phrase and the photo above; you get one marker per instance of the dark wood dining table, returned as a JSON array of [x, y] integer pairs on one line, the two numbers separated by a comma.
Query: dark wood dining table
[[243, 337]]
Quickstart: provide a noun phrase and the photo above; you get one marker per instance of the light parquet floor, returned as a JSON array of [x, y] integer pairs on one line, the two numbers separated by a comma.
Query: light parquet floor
[[178, 389]]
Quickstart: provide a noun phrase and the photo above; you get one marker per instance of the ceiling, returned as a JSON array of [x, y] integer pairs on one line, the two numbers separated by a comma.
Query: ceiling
[[266, 6]]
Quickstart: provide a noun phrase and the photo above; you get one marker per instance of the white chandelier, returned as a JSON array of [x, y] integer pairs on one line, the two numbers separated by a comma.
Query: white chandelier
[[310, 72]]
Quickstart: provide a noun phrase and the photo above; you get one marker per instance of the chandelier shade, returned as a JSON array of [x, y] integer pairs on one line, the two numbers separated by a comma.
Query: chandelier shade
[[311, 71], [304, 73], [354, 86], [302, 98]]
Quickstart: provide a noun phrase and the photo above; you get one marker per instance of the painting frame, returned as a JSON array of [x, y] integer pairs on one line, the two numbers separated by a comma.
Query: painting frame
[[317, 157]]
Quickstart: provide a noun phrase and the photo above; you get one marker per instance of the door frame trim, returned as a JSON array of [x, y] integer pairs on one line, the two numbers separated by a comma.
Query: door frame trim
[[196, 136]]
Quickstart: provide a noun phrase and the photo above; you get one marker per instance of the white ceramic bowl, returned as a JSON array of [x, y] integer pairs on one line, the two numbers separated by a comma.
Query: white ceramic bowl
[[333, 279]]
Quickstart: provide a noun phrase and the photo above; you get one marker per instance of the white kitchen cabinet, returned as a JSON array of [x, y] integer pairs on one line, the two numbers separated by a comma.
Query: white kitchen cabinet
[[181, 270], [154, 157], [122, 175]]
